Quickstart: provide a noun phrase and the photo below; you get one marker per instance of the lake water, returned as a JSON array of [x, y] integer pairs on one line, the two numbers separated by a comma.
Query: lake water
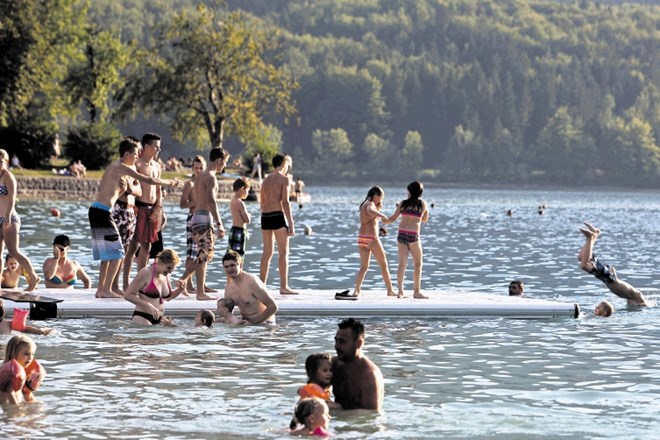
[[451, 378]]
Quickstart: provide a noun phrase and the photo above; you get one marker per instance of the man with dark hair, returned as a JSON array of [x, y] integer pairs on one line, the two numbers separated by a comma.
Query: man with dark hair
[[205, 211], [277, 221], [106, 244], [517, 288], [247, 291], [356, 381], [149, 207]]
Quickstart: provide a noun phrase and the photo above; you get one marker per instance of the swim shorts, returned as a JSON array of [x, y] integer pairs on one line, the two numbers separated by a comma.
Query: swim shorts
[[602, 271], [146, 230], [191, 247], [123, 215], [237, 239], [203, 235], [271, 221], [106, 245]]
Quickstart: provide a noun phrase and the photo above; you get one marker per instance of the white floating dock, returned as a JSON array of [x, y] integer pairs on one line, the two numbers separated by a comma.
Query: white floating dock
[[81, 303]]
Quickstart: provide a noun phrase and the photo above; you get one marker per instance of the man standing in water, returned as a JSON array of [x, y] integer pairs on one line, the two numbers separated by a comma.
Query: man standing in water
[[277, 221], [247, 291], [356, 381], [106, 245]]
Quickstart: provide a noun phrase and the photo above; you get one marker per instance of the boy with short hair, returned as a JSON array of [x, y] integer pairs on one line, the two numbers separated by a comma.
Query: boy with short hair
[[238, 235], [225, 311]]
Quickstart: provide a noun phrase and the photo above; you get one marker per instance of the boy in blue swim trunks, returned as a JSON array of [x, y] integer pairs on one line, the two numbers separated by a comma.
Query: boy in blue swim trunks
[[607, 274]]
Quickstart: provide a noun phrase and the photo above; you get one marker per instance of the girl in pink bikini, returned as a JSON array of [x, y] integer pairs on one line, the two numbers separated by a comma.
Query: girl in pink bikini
[[151, 289], [413, 213], [369, 243]]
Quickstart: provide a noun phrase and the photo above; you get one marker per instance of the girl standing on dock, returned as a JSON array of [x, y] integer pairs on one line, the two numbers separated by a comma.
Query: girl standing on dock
[[369, 242], [413, 213], [10, 222]]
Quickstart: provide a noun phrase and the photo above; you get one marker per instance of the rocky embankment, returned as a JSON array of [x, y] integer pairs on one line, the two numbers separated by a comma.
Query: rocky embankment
[[70, 188]]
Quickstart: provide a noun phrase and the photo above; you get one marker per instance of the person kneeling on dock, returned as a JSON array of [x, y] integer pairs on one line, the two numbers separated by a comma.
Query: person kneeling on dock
[[248, 292], [151, 288], [607, 274]]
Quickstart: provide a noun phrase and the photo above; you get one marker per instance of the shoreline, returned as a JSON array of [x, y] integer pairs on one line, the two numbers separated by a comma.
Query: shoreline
[[71, 189]]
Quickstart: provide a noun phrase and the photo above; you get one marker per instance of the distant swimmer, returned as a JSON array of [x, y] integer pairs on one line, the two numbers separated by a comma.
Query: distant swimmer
[[509, 213], [604, 309], [517, 288], [607, 274]]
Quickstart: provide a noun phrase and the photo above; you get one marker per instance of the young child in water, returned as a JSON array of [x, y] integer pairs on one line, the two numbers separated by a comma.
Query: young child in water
[[12, 273], [319, 378], [204, 318], [225, 311], [20, 371], [314, 415]]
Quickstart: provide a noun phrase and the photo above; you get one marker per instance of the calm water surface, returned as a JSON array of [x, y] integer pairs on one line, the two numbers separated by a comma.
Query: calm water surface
[[463, 378]]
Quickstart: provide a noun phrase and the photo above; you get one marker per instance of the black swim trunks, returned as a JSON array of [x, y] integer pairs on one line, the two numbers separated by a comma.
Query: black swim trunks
[[273, 220], [603, 272]]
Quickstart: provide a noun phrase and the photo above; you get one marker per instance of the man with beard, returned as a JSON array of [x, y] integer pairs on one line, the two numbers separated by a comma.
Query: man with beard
[[356, 381]]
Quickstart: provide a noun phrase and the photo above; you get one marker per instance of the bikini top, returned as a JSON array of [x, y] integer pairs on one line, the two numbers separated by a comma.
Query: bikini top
[[151, 291], [411, 210], [70, 280]]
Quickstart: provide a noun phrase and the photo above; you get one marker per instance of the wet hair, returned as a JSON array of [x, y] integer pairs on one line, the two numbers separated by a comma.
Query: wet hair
[[228, 304], [16, 344], [278, 159], [207, 317], [607, 307], [8, 256], [520, 284], [304, 409], [312, 363], [373, 192], [168, 256], [218, 153], [353, 324], [239, 183], [416, 189], [233, 256], [150, 138], [200, 159], [127, 146], [62, 240]]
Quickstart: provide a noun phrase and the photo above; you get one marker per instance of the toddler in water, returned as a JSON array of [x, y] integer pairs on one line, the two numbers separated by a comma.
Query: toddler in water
[[319, 378], [12, 273], [314, 415], [20, 371], [225, 311]]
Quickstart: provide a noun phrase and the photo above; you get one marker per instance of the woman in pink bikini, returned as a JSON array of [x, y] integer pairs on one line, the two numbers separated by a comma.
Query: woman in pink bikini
[[151, 288], [369, 243], [413, 213]]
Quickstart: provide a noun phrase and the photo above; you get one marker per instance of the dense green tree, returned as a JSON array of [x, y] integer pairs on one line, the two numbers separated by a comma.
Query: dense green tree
[[333, 152], [210, 74]]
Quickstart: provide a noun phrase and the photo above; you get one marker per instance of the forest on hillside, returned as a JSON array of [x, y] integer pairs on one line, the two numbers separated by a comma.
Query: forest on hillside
[[496, 91]]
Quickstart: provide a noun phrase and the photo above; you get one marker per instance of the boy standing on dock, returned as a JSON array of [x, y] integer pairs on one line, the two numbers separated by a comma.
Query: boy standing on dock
[[106, 244], [238, 235]]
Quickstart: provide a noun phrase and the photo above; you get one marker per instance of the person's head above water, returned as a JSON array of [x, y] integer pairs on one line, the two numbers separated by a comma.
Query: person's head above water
[[516, 288], [604, 309]]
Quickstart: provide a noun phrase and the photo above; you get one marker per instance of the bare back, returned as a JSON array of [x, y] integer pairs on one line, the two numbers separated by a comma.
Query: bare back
[[275, 193], [358, 384]]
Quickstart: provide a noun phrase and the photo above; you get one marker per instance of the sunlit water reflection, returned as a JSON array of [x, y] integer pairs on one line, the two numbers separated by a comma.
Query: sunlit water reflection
[[487, 378]]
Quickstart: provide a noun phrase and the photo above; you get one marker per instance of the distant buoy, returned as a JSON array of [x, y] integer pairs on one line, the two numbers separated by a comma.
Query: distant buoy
[[308, 230], [54, 212]]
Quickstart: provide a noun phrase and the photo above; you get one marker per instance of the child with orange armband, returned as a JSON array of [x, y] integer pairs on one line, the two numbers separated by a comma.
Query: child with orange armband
[[20, 371], [319, 378], [19, 322], [314, 415]]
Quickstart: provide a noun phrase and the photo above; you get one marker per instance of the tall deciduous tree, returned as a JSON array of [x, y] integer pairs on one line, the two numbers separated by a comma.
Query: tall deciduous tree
[[211, 75]]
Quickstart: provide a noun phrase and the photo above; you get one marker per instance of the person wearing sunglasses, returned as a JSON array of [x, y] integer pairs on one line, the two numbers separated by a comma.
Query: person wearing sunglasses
[[60, 271]]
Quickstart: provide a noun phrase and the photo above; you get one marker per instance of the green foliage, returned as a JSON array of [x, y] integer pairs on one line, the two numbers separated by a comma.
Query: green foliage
[[333, 154], [268, 142], [32, 141], [96, 144]]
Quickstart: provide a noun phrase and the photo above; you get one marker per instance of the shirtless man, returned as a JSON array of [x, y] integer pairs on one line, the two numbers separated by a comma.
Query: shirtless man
[[356, 381], [149, 206], [248, 292], [106, 245], [275, 208], [607, 274], [205, 190], [123, 213]]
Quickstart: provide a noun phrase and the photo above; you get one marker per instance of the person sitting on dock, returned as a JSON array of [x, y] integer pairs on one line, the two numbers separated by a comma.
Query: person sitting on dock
[[607, 274], [62, 272], [151, 289], [356, 380], [517, 288], [247, 291]]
